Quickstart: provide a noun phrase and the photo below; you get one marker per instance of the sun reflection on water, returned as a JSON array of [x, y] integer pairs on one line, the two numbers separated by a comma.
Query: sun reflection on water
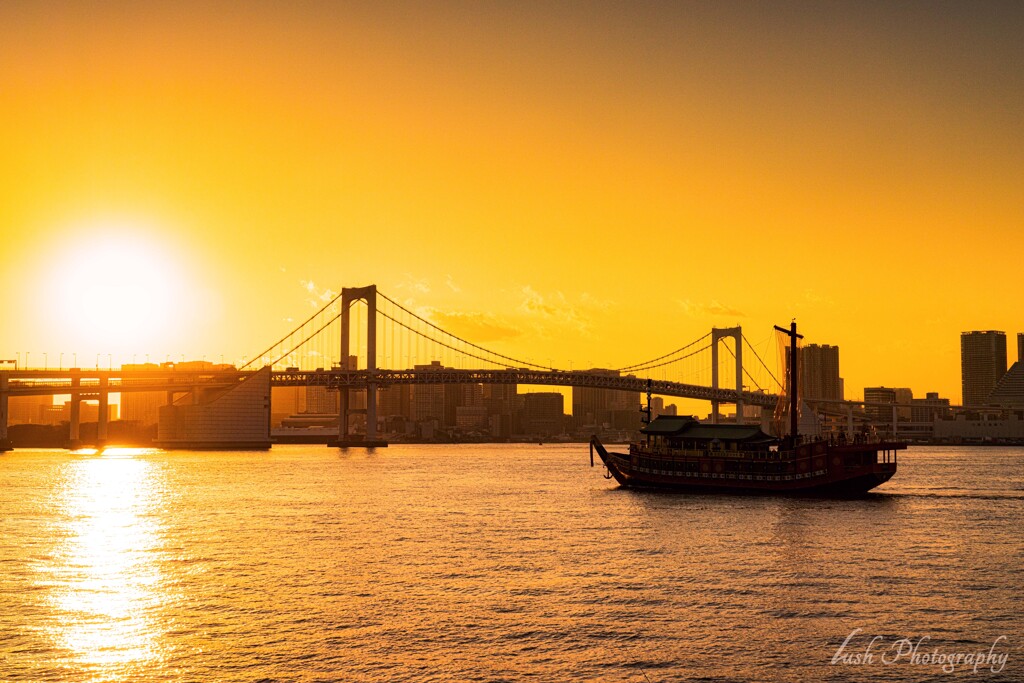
[[104, 581]]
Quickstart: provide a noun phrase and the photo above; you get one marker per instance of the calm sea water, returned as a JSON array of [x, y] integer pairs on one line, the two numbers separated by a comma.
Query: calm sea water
[[494, 563]]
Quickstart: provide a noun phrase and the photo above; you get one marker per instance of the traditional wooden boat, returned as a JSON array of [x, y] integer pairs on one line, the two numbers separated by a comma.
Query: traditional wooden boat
[[680, 453], [683, 454]]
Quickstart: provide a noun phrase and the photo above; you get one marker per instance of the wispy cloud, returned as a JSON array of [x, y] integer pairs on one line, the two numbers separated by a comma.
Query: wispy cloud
[[591, 301], [452, 286], [413, 285], [534, 303], [713, 307], [317, 297], [474, 326], [813, 296], [548, 312]]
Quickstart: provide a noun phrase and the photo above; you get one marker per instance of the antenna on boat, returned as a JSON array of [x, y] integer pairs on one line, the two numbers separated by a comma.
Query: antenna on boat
[[793, 377], [646, 412]]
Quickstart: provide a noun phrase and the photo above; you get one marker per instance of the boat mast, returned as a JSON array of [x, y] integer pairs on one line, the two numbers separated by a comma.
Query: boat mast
[[793, 377]]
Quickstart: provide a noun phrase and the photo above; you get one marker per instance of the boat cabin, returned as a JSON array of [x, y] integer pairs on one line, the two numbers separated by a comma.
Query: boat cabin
[[682, 432]]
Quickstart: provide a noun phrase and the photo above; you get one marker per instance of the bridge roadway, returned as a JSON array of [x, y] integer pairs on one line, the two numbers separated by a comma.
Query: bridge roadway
[[51, 382], [337, 379], [91, 382]]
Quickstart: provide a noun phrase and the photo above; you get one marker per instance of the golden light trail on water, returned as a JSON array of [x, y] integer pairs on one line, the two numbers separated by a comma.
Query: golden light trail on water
[[104, 581]]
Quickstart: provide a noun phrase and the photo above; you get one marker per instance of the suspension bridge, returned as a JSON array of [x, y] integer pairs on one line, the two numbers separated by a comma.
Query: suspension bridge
[[381, 342], [364, 340]]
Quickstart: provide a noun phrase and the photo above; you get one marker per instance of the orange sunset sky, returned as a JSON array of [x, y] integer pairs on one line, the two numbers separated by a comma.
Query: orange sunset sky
[[589, 182]]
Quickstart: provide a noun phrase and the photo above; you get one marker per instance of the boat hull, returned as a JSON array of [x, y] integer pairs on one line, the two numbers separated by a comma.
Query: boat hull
[[816, 469]]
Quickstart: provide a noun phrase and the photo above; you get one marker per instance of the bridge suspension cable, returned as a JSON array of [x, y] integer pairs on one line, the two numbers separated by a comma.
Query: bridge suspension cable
[[521, 363], [647, 364], [441, 343], [668, 362], [299, 345], [745, 371], [266, 353], [760, 360]]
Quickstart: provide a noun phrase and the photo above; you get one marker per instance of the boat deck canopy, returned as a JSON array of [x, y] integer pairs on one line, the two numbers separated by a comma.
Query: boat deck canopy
[[690, 429]]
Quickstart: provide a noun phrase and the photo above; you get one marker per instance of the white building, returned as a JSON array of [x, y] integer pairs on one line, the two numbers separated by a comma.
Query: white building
[[236, 417]]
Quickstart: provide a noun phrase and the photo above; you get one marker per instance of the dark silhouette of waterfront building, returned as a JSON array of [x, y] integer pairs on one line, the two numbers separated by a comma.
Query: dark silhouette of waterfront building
[[543, 413], [394, 401], [982, 364], [1009, 390], [659, 408], [930, 408], [501, 401]]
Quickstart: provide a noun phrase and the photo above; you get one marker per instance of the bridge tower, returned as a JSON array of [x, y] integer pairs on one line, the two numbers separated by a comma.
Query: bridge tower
[[717, 334], [350, 295]]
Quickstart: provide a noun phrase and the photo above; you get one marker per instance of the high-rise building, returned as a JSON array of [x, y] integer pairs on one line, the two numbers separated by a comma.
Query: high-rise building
[[394, 401], [596, 406], [982, 364], [88, 411], [471, 395], [501, 401], [879, 395], [930, 408], [28, 409], [142, 406], [320, 401], [1020, 347], [905, 397], [819, 372], [658, 407], [471, 418], [543, 413], [428, 400]]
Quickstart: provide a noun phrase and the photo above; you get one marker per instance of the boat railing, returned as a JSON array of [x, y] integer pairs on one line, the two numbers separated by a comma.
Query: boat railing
[[684, 454]]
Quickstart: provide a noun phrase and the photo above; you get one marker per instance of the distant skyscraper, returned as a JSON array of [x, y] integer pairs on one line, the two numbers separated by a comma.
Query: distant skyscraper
[[1020, 347], [428, 400], [879, 395], [819, 372], [982, 364], [620, 409]]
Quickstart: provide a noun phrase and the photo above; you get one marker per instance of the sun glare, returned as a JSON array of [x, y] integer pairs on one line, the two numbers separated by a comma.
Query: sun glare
[[115, 293]]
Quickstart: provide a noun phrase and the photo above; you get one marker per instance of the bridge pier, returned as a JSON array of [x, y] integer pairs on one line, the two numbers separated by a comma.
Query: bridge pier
[[5, 444], [75, 426], [104, 412]]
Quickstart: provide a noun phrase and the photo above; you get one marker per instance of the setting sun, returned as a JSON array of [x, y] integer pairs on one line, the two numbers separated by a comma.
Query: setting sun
[[115, 291]]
